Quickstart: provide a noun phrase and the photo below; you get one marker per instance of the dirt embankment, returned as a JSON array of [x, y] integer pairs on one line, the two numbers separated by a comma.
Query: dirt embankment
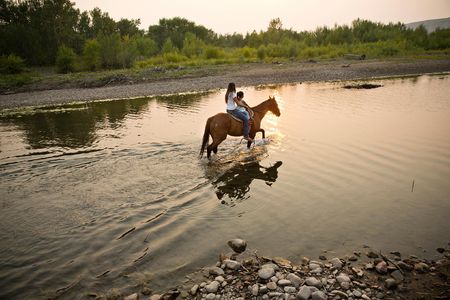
[[242, 75]]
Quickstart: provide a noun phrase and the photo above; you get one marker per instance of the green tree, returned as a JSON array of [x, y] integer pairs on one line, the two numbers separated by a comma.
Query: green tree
[[192, 46], [92, 55], [65, 59]]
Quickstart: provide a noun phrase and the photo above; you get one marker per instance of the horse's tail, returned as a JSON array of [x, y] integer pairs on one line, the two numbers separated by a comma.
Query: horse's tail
[[205, 137]]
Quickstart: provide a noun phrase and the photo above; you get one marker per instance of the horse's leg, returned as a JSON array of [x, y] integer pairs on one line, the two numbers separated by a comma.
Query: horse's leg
[[263, 133], [252, 135], [213, 146]]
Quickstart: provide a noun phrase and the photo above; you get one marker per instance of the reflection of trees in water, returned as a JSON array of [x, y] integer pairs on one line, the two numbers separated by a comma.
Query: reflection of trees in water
[[72, 126], [75, 125], [235, 183], [181, 101]]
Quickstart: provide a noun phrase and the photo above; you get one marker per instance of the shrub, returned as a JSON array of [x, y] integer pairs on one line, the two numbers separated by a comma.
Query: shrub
[[65, 59], [92, 55], [11, 64], [145, 46], [261, 52], [212, 52]]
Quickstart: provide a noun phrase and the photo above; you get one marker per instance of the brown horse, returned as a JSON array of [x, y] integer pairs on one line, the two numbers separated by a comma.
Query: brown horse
[[223, 124]]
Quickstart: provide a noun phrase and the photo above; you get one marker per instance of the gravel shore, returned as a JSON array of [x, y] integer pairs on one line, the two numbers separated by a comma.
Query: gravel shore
[[242, 75], [366, 274]]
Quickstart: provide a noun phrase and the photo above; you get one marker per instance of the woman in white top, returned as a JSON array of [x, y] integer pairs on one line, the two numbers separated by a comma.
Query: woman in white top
[[232, 102]]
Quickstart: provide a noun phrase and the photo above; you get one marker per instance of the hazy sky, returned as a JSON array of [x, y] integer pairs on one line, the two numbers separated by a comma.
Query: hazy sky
[[243, 16]]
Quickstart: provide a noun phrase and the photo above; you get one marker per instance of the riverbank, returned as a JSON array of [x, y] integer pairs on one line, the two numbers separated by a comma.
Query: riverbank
[[218, 77], [367, 274]]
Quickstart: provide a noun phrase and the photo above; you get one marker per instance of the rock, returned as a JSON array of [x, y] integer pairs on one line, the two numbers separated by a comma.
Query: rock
[[274, 279], [396, 253], [358, 272], [339, 293], [219, 279], [194, 290], [155, 297], [134, 296], [266, 273], [440, 250], [382, 267], [372, 254], [263, 289], [319, 295], [304, 293], [275, 294], [255, 289], [215, 271], [404, 266], [171, 295], [397, 275], [343, 278], [290, 289], [357, 294], [313, 266], [213, 287], [421, 267], [284, 282], [238, 245], [322, 257], [305, 260], [365, 297], [232, 264], [296, 281], [312, 281], [146, 291], [390, 283], [270, 265], [336, 262], [369, 266], [353, 258], [345, 285], [282, 262], [211, 296], [272, 286]]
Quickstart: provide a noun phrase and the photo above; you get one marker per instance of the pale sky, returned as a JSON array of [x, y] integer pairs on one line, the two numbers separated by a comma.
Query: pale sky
[[241, 16]]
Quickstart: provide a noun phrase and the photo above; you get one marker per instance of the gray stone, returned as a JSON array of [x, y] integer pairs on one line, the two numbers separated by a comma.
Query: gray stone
[[215, 271], [345, 285], [357, 294], [397, 275], [313, 289], [213, 287], [336, 262], [255, 289], [312, 281], [270, 265], [134, 296], [296, 281], [219, 279], [284, 282], [211, 296], [339, 293], [382, 267], [304, 293], [272, 286], [372, 254], [265, 297], [232, 264], [238, 245], [343, 278], [319, 295], [390, 283], [275, 294], [313, 266], [274, 279], [290, 289], [263, 289], [194, 289], [404, 266], [421, 267], [155, 297], [266, 273], [365, 297]]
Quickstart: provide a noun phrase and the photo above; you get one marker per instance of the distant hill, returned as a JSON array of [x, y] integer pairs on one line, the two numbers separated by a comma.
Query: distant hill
[[431, 25]]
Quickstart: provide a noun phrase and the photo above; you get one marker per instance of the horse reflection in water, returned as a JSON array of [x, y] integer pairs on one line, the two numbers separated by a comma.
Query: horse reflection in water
[[235, 183]]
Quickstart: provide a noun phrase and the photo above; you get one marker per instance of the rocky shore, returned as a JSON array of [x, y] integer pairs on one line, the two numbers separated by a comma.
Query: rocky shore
[[361, 275], [218, 78]]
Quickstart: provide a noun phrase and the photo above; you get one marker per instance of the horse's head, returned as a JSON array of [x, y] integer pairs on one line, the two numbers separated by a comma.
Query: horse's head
[[273, 106]]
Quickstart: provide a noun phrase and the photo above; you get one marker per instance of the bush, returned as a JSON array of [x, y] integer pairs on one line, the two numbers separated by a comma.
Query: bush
[[11, 64], [91, 55], [65, 59], [261, 52], [212, 52]]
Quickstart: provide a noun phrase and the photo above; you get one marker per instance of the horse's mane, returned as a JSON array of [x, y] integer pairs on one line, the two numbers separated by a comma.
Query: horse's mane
[[260, 107]]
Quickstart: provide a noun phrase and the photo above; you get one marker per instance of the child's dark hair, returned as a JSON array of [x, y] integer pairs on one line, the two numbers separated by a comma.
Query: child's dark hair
[[240, 94]]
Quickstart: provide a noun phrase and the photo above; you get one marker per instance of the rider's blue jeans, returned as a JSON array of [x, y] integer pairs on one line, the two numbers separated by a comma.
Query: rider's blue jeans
[[242, 115]]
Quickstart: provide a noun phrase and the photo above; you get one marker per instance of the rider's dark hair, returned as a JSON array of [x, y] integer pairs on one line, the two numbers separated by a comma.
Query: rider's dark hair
[[240, 94], [231, 88]]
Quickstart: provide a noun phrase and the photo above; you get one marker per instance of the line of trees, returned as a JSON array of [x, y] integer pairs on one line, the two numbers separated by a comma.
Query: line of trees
[[48, 32]]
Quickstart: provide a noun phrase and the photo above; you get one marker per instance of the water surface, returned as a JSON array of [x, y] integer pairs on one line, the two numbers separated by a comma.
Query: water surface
[[112, 194]]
